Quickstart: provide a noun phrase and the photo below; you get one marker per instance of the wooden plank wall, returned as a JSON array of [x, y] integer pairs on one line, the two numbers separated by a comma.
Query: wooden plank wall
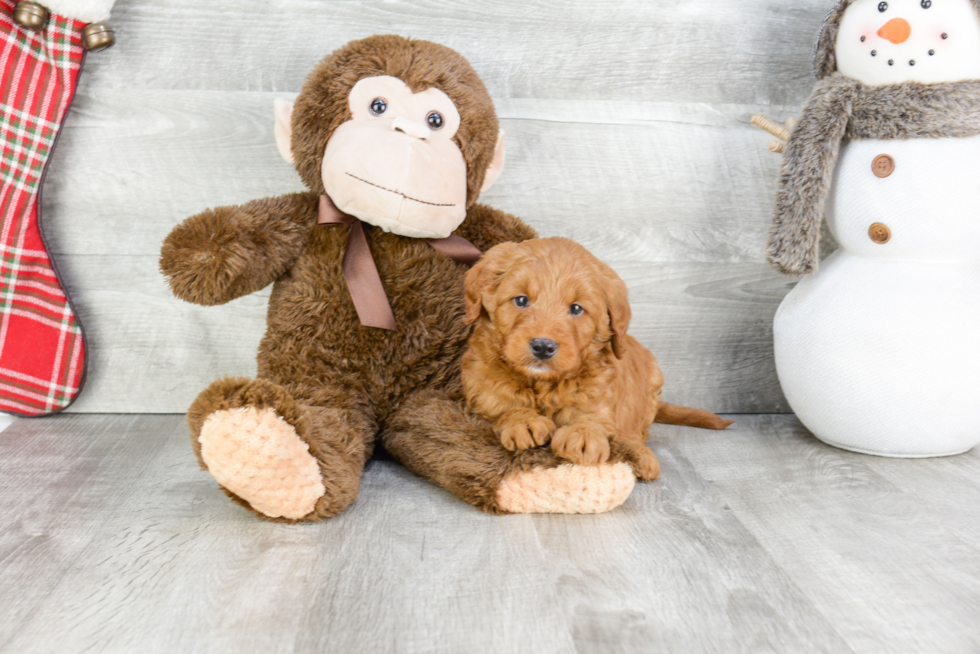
[[628, 130]]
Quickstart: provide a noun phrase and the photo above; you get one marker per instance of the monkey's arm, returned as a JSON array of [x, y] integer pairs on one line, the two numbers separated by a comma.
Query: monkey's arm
[[227, 252], [485, 227]]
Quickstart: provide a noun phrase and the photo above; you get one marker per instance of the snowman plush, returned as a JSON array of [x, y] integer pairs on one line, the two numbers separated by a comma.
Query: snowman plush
[[878, 351]]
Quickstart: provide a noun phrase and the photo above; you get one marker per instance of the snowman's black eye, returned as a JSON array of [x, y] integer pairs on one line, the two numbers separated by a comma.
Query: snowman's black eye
[[945, 36], [882, 7], [926, 4], [378, 106], [863, 39]]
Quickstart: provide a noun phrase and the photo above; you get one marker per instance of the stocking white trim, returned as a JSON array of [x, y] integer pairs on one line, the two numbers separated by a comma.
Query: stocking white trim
[[87, 11]]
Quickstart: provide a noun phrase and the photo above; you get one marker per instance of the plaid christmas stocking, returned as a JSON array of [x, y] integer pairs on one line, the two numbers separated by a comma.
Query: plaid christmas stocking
[[42, 353]]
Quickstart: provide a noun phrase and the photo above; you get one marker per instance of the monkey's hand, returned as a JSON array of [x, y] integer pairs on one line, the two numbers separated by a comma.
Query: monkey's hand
[[225, 253]]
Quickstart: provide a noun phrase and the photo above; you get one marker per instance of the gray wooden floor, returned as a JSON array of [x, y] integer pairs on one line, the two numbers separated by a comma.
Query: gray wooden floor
[[756, 539]]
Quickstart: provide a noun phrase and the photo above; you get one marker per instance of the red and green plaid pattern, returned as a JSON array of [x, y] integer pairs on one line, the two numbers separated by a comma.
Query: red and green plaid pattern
[[42, 356]]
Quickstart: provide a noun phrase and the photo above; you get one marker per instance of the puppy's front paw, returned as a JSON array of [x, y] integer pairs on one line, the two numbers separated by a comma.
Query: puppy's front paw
[[525, 432], [646, 466], [582, 443]]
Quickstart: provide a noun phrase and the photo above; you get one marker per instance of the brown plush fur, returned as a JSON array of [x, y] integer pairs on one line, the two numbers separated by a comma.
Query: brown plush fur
[[600, 386], [339, 384], [322, 104]]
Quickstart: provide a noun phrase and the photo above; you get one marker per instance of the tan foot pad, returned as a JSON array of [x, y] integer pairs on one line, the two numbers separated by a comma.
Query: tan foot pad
[[567, 489], [258, 456]]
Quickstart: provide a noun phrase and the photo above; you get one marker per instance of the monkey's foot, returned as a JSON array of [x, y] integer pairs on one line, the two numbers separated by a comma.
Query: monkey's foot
[[567, 489], [258, 456]]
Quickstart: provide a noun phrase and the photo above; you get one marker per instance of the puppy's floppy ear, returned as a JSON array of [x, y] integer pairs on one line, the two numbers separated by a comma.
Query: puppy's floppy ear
[[483, 278], [617, 303]]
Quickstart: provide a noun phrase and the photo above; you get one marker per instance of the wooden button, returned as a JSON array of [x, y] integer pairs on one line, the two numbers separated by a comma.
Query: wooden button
[[883, 165], [880, 233]]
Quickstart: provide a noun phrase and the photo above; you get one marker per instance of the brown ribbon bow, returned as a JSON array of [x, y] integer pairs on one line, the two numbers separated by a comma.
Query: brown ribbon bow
[[361, 273]]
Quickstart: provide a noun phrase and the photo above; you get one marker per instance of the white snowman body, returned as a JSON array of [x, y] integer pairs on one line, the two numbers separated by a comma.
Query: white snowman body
[[879, 351]]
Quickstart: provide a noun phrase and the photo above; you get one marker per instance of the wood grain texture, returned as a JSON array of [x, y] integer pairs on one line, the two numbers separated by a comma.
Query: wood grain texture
[[628, 130], [707, 51], [756, 539], [159, 357]]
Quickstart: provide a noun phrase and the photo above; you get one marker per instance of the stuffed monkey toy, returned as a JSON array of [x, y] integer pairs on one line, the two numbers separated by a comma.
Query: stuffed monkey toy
[[395, 140]]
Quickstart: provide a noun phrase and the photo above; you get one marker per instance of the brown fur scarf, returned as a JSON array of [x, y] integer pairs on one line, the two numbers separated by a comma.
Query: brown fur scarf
[[842, 108]]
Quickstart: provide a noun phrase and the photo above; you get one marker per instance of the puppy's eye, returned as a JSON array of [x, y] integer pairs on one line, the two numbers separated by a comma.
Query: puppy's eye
[[576, 310], [378, 106], [522, 301]]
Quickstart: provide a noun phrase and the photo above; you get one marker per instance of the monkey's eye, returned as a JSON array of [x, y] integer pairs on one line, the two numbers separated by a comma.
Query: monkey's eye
[[378, 106], [434, 119], [576, 310], [926, 4], [522, 301], [882, 7]]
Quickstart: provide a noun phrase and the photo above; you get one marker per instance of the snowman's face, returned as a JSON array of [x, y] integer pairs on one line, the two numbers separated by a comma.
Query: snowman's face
[[898, 41]]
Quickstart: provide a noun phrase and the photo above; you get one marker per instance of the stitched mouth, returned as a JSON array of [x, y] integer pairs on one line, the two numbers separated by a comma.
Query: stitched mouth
[[431, 204]]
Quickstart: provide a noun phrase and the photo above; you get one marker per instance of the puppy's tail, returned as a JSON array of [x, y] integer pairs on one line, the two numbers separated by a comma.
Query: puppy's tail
[[671, 414]]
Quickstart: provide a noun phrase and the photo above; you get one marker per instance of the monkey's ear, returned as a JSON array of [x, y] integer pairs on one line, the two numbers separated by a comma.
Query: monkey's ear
[[284, 128], [497, 165]]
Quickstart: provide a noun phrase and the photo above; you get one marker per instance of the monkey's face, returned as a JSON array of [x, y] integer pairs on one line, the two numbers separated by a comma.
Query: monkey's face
[[394, 164]]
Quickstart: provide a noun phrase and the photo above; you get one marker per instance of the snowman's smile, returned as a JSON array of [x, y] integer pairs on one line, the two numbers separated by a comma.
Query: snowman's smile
[[897, 41], [898, 31]]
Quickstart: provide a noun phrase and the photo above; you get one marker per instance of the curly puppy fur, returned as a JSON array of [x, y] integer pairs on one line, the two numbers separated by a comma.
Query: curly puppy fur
[[594, 385], [342, 386], [842, 108]]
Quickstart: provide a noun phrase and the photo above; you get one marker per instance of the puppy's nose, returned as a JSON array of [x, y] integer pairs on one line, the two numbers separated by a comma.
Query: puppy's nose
[[543, 348]]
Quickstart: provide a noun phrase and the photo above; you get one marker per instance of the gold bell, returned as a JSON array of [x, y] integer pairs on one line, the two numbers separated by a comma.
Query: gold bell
[[31, 15], [98, 36]]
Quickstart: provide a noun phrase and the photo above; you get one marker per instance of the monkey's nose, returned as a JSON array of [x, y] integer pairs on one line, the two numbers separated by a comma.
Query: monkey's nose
[[897, 30], [543, 348], [410, 127]]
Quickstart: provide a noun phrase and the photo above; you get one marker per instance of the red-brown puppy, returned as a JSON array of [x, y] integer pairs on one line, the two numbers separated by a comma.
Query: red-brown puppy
[[550, 358]]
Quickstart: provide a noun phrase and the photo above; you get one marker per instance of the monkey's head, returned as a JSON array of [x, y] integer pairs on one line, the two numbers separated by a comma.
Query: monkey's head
[[399, 133]]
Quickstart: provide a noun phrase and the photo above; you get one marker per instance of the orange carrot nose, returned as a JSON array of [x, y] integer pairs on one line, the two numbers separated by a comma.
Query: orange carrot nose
[[897, 30]]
